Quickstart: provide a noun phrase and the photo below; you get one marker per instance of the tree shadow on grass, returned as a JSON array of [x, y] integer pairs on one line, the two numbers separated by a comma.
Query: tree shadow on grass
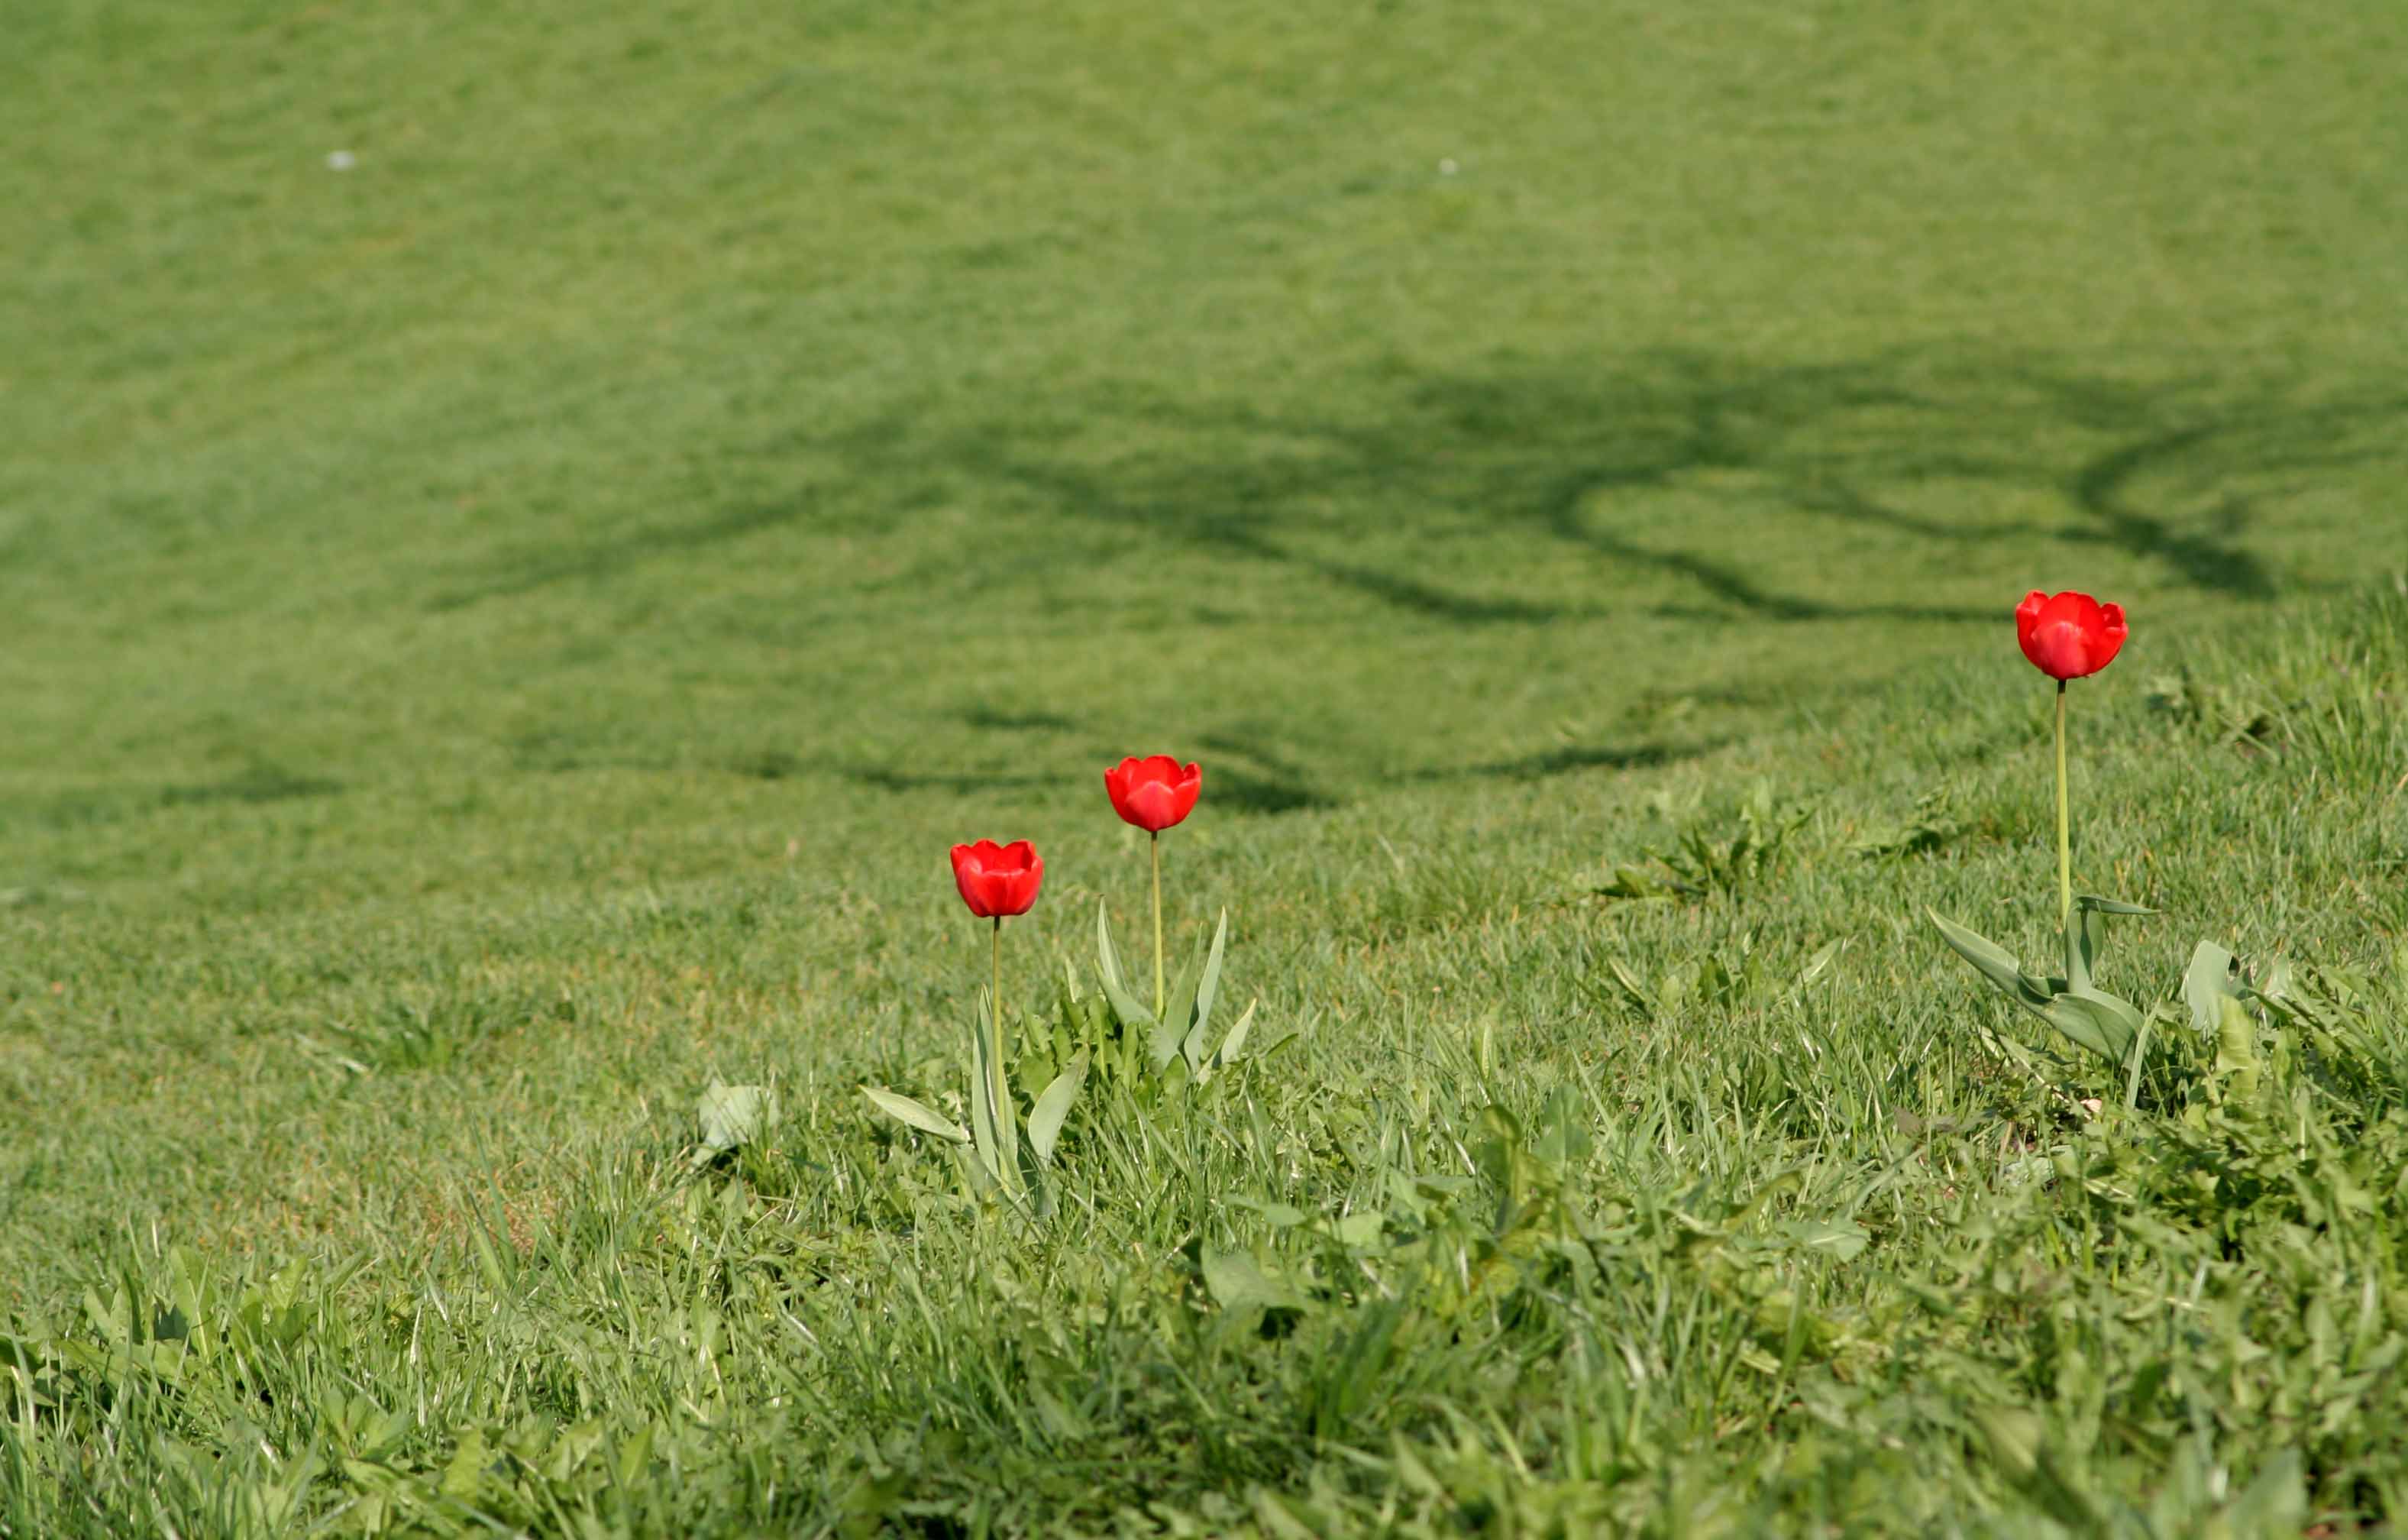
[[1249, 773], [1558, 458], [1573, 758], [259, 785], [1572, 461], [2170, 473]]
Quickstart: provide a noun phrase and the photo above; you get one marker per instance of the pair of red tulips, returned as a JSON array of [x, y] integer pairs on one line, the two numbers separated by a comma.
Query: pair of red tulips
[[995, 881]]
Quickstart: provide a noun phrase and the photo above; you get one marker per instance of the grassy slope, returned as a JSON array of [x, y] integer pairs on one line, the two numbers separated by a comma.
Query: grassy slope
[[522, 615]]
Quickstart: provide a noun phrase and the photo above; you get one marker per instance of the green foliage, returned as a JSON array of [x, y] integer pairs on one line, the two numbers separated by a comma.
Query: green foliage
[[1118, 1031], [1932, 825], [997, 1162], [2104, 1024], [2099, 1333], [1706, 1218], [1715, 861], [731, 1116]]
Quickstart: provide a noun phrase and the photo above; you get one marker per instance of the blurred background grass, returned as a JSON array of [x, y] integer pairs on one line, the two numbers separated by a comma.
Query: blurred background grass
[[696, 428]]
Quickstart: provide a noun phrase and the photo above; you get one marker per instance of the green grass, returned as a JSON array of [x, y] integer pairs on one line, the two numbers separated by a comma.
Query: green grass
[[500, 636]]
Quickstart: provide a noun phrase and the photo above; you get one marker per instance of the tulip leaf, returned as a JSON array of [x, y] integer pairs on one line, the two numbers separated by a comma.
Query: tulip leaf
[[1992, 962], [1205, 988], [2109, 906], [2123, 1009], [1170, 1034], [1067, 994], [1039, 1204], [2140, 1057], [731, 1115], [2085, 935], [2213, 976], [1820, 963], [1108, 958], [1235, 1043], [2101, 1023], [918, 1115], [1108, 967], [992, 1122], [1045, 1118]]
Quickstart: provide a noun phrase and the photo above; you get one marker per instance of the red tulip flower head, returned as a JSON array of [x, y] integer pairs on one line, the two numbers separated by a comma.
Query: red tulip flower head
[[998, 880], [1152, 793], [2071, 635]]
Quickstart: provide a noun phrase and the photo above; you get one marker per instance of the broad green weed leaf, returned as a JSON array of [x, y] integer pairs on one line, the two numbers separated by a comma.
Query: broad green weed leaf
[[2236, 1049], [1563, 1137], [1844, 1240], [635, 1455], [1238, 1282], [731, 1115], [2013, 1434], [2275, 1503], [1630, 882], [1277, 1214], [465, 1474], [917, 1114], [2277, 985], [2212, 978], [1359, 1229]]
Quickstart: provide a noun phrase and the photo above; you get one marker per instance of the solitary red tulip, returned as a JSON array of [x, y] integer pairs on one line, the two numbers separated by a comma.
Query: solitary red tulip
[[998, 880], [1152, 793], [2071, 635]]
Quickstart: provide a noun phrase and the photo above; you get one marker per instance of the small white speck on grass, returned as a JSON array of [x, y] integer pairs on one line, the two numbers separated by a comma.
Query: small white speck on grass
[[341, 160], [1447, 166]]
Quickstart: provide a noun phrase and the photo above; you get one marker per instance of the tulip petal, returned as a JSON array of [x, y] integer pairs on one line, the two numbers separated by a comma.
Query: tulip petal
[[997, 881], [1152, 793], [2069, 635]]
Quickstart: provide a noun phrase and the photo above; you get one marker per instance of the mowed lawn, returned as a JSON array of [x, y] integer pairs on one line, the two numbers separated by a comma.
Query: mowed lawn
[[524, 532]]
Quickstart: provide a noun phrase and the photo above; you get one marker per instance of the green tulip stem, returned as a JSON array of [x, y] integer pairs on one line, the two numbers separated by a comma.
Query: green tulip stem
[[2064, 822], [1161, 1001], [995, 1017]]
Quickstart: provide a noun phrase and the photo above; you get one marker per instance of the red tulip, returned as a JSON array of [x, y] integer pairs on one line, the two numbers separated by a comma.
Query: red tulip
[[2071, 636], [998, 880], [1152, 793]]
